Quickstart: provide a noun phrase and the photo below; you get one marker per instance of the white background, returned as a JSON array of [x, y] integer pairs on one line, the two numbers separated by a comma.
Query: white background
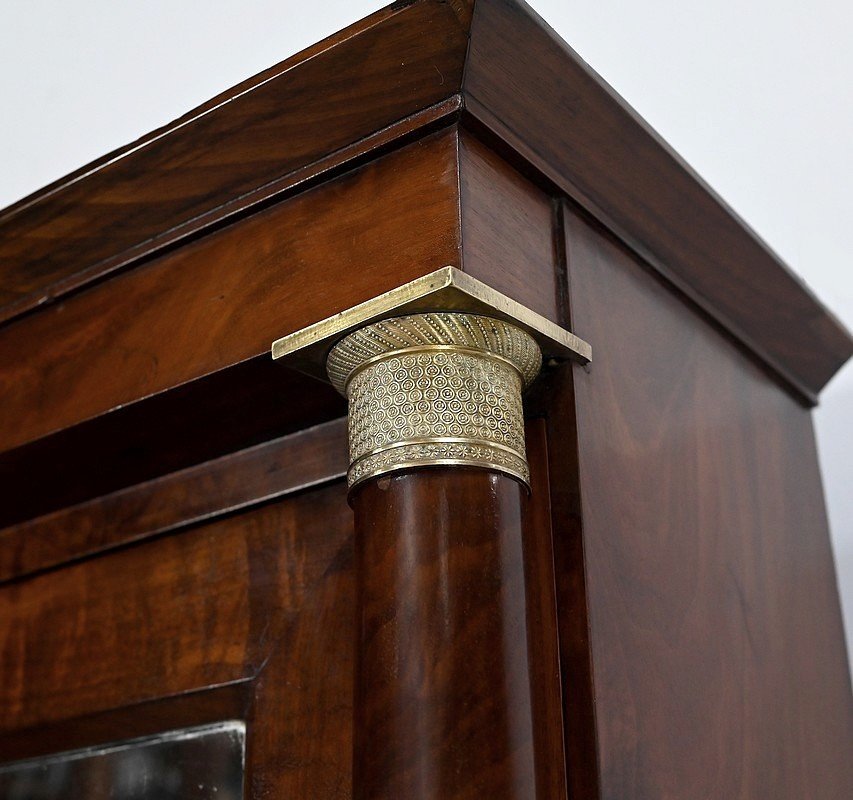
[[755, 94]]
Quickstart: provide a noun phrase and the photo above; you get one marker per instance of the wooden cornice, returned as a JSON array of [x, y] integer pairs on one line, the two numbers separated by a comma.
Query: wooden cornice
[[394, 75], [326, 106]]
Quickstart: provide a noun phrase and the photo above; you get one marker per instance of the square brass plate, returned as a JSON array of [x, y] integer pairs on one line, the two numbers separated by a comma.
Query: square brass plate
[[446, 289]]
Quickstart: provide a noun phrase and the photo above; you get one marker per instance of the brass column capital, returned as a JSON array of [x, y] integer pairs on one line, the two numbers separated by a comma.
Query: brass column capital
[[439, 388], [434, 372]]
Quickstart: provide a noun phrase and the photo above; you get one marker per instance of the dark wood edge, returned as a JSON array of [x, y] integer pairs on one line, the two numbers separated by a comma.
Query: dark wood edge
[[552, 398], [661, 276], [248, 85], [233, 482], [543, 628], [554, 113], [222, 703], [473, 119], [164, 432], [339, 100], [396, 135]]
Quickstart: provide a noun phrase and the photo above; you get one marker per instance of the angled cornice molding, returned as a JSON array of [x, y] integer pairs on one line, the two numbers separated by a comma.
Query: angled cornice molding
[[211, 164]]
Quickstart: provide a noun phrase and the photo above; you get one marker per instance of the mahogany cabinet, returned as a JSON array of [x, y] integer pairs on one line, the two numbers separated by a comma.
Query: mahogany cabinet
[[620, 586]]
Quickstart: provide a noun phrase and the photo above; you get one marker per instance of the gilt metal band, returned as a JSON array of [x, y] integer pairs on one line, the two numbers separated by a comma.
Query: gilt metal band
[[434, 370], [436, 388]]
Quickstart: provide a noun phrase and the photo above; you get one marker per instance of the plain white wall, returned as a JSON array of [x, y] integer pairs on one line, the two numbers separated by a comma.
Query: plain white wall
[[755, 94]]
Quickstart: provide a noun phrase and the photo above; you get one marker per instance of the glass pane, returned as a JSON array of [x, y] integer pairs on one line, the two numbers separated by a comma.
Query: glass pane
[[203, 763]]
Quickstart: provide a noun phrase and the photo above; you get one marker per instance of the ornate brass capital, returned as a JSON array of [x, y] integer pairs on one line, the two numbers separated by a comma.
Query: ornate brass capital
[[435, 389], [433, 371]]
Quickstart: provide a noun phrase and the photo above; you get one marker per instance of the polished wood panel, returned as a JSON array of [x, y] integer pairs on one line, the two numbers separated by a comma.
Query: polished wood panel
[[224, 299], [185, 426], [443, 697], [248, 477], [377, 85], [301, 720], [552, 398], [715, 630], [167, 616], [507, 229], [335, 101], [289, 635], [657, 619], [542, 627], [525, 85]]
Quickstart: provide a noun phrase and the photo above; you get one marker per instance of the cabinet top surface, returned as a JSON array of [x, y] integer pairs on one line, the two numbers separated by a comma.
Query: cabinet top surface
[[380, 81]]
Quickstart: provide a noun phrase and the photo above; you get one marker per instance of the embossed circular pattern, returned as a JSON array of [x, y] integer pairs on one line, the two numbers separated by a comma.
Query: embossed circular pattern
[[425, 403], [436, 328]]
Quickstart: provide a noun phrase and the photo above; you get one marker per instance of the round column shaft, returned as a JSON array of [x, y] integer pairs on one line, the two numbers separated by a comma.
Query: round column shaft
[[443, 705], [438, 480]]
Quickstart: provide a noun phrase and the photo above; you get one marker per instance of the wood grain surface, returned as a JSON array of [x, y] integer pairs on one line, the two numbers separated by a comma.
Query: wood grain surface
[[529, 88], [316, 111], [716, 639], [249, 617], [165, 617], [443, 695], [376, 85], [543, 635], [507, 229], [199, 493], [302, 711], [658, 619], [224, 299], [552, 437], [167, 432], [148, 718]]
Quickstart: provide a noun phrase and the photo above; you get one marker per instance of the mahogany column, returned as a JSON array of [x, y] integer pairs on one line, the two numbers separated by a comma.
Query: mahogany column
[[438, 482], [442, 703]]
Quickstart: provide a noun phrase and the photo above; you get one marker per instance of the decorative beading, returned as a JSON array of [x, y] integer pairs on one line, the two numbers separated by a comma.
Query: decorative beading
[[435, 389], [439, 328]]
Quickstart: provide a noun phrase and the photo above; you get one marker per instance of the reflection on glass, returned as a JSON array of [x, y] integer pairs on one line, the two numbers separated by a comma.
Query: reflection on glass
[[203, 763]]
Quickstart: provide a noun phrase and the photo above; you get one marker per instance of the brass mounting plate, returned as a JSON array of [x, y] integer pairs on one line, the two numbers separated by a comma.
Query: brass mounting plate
[[446, 289]]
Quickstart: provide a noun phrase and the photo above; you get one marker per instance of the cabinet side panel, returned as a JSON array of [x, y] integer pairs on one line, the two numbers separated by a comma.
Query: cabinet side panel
[[717, 645]]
